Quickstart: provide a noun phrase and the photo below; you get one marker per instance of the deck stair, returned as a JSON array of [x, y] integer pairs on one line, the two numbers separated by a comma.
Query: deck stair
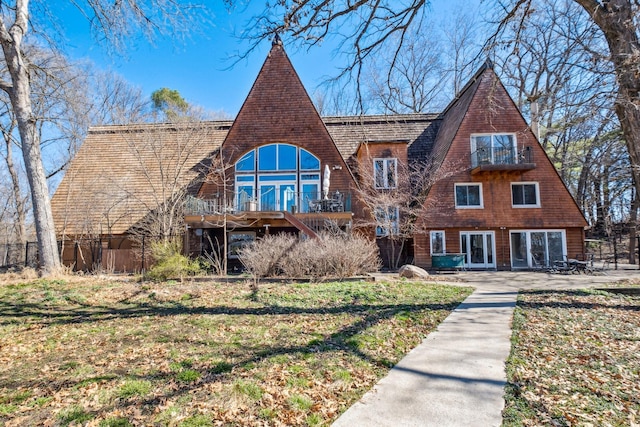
[[300, 225]]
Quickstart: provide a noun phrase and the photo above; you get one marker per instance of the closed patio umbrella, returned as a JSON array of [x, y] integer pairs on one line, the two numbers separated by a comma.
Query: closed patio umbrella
[[325, 182]]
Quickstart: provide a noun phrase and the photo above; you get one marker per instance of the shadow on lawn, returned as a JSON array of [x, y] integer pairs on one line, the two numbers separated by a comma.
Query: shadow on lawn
[[571, 299], [342, 340], [45, 314]]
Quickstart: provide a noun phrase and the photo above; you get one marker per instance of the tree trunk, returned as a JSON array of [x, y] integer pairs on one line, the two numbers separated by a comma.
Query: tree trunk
[[20, 95], [20, 226], [633, 220]]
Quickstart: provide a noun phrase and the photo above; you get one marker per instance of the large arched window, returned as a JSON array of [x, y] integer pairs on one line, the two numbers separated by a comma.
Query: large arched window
[[276, 177]]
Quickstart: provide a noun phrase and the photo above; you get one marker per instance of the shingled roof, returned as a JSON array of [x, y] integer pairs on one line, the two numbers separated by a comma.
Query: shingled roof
[[455, 113], [416, 130], [117, 175], [121, 173]]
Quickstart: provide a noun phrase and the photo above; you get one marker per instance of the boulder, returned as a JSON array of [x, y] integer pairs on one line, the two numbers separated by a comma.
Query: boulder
[[412, 272]]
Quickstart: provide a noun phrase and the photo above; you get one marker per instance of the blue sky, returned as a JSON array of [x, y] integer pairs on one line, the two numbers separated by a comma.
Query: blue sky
[[199, 67]]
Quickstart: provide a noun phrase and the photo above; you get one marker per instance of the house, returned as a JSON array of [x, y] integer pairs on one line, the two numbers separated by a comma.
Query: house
[[280, 167], [507, 207]]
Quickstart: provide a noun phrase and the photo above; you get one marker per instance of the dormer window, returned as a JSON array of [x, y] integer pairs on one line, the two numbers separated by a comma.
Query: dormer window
[[385, 173]]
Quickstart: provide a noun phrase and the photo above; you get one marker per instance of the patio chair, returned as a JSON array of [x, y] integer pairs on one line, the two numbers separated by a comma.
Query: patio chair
[[337, 203], [314, 205], [564, 266], [537, 264]]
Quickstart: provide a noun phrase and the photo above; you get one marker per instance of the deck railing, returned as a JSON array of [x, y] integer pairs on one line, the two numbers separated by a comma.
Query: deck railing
[[290, 201], [501, 156]]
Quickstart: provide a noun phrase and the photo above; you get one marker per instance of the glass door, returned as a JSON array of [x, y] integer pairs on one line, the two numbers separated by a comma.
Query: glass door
[[531, 249], [479, 249], [287, 197], [277, 196]]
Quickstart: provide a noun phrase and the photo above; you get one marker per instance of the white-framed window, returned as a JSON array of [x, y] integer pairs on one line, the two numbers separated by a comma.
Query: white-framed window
[[275, 177], [468, 196], [385, 173], [525, 195], [535, 248], [494, 149], [438, 245], [387, 221]]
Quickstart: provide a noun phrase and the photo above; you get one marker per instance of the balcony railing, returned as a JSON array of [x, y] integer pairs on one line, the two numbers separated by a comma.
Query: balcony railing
[[506, 156], [290, 201]]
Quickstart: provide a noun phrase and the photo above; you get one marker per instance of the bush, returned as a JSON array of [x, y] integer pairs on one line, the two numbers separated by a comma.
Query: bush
[[329, 255], [264, 257], [170, 263]]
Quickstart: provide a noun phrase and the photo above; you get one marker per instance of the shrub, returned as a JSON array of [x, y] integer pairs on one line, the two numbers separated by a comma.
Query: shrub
[[329, 255], [264, 257], [170, 263]]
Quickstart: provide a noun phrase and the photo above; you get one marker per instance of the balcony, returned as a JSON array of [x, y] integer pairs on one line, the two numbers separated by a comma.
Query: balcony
[[304, 211], [288, 201], [490, 159]]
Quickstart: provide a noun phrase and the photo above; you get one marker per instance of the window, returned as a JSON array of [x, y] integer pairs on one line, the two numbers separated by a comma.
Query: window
[[247, 163], [468, 195], [387, 221], [308, 161], [438, 245], [239, 240], [493, 149], [276, 177], [525, 195], [385, 173], [532, 248]]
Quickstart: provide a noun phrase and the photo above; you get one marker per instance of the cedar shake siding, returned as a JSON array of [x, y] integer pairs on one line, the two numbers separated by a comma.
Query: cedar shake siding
[[486, 108], [279, 110], [117, 177]]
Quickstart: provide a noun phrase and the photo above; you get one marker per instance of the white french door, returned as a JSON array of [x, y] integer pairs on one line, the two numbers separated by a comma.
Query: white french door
[[479, 248], [277, 196], [276, 192]]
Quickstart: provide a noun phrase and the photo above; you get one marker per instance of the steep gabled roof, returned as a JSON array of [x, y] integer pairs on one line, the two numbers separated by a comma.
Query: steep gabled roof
[[118, 175], [485, 106], [278, 109], [455, 112]]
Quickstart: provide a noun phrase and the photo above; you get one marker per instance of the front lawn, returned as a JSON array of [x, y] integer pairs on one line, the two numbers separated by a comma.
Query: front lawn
[[115, 353], [575, 360]]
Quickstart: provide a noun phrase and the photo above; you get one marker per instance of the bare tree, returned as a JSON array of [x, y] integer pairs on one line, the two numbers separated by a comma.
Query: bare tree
[[392, 210], [114, 22], [436, 60], [365, 28], [169, 161], [568, 102], [616, 21], [16, 202], [67, 99], [416, 83], [461, 48], [95, 97]]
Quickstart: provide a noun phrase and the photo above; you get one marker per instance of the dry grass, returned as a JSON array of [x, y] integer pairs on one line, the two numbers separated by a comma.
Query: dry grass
[[107, 352], [575, 360]]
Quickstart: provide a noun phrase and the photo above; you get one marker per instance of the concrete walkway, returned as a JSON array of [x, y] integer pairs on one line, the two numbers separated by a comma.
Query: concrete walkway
[[456, 376]]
